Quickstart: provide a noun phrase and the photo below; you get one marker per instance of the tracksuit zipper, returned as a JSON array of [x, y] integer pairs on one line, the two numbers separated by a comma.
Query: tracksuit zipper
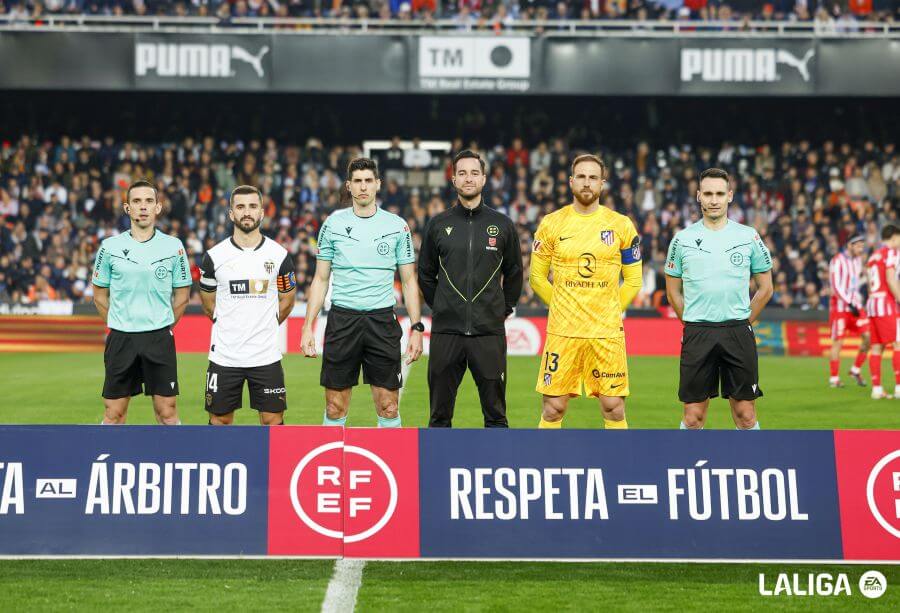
[[469, 280]]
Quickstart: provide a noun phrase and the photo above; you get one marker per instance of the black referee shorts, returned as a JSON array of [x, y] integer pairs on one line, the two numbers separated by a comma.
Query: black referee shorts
[[367, 339], [140, 359], [718, 353]]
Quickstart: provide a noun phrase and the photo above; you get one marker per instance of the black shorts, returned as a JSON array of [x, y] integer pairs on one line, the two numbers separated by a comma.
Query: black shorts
[[225, 388], [370, 339], [714, 353], [140, 359]]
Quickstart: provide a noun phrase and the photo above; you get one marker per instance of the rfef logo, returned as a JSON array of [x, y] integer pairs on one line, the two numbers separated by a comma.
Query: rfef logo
[[883, 492], [868, 470], [343, 492], [319, 482]]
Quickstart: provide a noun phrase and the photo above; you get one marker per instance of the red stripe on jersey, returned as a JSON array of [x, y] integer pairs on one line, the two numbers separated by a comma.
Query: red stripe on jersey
[[844, 273], [881, 301]]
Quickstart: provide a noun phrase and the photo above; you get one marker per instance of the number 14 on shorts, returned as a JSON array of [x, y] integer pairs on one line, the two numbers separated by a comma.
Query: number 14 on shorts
[[212, 382]]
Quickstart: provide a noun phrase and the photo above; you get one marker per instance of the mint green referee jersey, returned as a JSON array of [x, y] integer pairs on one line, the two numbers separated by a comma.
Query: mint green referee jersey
[[140, 277], [364, 253], [715, 266]]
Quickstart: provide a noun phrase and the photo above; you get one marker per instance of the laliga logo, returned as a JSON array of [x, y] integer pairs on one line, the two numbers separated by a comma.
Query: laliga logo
[[888, 495], [316, 481]]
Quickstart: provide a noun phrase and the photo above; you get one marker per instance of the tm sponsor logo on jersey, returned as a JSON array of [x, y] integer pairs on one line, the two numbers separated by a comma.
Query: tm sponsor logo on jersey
[[196, 60], [248, 288], [761, 65]]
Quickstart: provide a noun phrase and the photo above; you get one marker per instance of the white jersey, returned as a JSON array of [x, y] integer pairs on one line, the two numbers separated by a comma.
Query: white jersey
[[247, 283]]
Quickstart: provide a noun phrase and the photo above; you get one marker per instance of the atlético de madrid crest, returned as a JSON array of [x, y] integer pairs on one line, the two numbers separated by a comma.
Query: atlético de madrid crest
[[608, 237]]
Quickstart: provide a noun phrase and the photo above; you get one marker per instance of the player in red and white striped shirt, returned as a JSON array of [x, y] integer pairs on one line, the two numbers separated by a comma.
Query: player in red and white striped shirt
[[846, 310], [884, 292]]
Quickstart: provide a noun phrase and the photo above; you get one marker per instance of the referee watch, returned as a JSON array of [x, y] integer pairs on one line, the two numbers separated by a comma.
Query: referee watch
[[418, 327]]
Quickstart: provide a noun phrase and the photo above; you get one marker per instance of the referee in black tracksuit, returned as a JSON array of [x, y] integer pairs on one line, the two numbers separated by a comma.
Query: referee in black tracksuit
[[470, 271]]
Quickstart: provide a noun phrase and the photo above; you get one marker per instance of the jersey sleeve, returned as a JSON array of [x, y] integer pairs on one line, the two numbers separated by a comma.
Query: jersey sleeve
[[893, 259], [673, 258], [181, 271], [102, 268], [404, 251], [631, 244], [760, 258], [208, 282], [287, 281], [541, 259], [325, 248], [543, 246]]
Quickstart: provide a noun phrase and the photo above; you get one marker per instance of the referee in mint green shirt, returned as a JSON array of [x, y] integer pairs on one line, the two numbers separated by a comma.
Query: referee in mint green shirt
[[359, 250], [135, 276], [708, 271]]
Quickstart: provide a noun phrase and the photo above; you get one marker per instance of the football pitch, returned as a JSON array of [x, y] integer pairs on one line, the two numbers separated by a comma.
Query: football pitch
[[65, 388]]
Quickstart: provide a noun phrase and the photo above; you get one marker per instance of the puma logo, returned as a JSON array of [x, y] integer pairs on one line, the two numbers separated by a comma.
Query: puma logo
[[255, 61], [802, 65]]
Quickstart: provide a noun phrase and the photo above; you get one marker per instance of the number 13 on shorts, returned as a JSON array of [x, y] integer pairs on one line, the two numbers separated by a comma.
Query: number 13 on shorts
[[596, 365]]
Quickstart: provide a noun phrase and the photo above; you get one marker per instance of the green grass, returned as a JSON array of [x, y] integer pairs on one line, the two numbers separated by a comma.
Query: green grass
[[528, 586], [65, 389], [299, 585], [160, 585]]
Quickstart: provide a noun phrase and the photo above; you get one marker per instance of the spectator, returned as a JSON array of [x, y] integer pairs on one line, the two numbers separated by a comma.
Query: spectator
[[416, 157]]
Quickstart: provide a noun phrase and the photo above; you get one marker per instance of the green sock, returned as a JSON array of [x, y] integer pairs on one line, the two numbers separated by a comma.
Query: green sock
[[384, 422], [334, 422]]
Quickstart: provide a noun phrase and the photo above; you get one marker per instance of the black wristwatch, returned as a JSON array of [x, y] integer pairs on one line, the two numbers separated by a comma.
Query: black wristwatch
[[418, 327]]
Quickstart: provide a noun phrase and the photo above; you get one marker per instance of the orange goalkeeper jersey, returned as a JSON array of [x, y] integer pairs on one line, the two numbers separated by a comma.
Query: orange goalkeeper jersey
[[586, 254]]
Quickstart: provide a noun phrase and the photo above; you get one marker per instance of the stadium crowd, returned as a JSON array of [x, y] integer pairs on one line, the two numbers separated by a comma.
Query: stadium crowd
[[828, 15], [58, 200]]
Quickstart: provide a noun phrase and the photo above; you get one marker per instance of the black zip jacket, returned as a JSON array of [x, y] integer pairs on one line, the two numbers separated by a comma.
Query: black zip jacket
[[470, 270]]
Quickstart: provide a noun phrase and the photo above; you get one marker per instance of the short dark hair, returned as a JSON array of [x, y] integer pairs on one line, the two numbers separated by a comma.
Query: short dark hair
[[362, 164], [889, 231], [141, 183], [588, 157], [240, 190], [467, 154], [715, 173]]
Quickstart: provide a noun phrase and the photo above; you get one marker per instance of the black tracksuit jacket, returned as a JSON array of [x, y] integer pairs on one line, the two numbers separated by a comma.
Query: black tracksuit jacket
[[470, 270]]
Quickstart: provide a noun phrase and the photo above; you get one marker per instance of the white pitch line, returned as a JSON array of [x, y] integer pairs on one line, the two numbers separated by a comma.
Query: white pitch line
[[340, 597]]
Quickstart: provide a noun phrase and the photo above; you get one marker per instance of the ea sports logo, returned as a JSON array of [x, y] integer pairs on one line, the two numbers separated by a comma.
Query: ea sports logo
[[872, 584], [333, 481], [883, 492]]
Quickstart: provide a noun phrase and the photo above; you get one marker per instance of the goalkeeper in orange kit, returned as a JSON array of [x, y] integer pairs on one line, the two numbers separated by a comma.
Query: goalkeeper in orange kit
[[587, 247]]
